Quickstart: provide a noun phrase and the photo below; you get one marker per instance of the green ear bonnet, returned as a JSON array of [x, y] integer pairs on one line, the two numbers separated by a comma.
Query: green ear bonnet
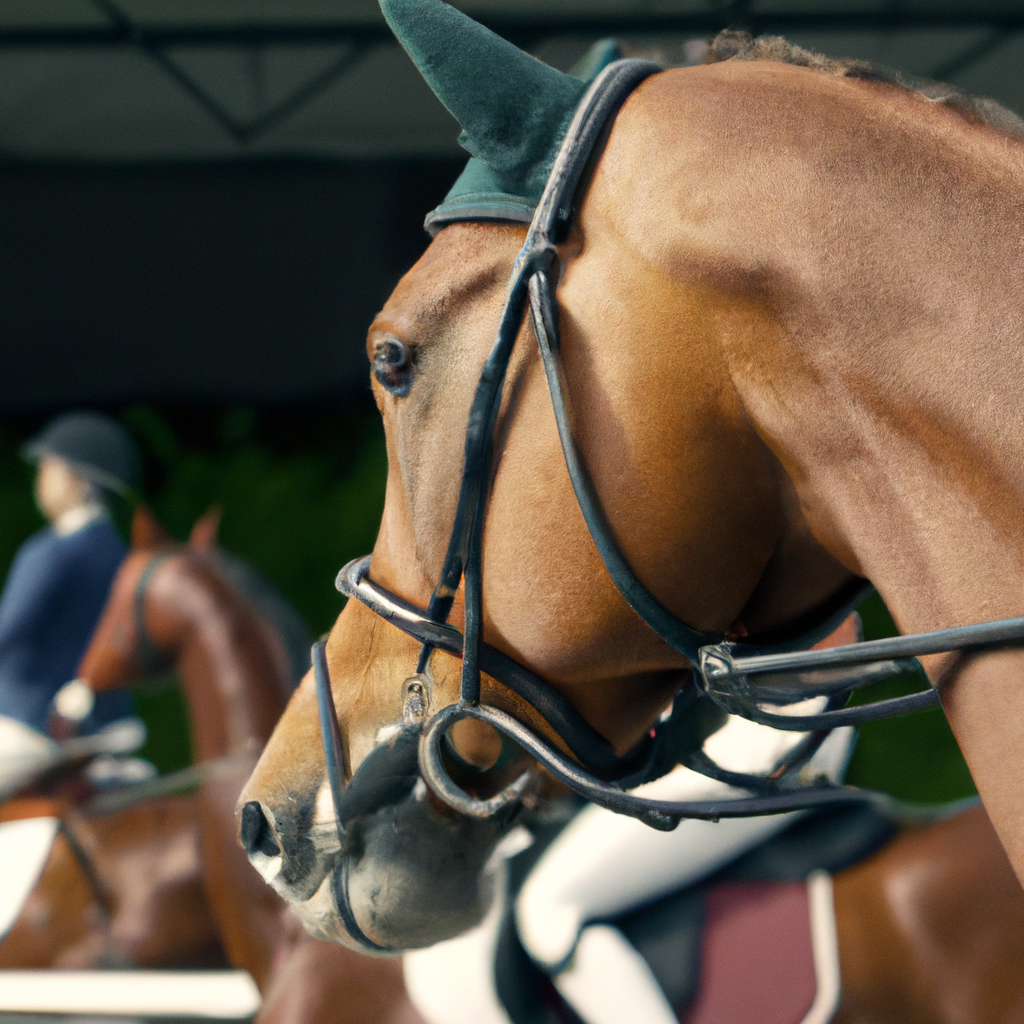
[[514, 109]]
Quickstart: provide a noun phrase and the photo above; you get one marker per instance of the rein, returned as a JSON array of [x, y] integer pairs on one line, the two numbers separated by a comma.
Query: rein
[[100, 892], [724, 672]]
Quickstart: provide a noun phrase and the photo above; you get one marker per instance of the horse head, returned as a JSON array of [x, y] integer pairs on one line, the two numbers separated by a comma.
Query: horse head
[[403, 870], [122, 648], [170, 608]]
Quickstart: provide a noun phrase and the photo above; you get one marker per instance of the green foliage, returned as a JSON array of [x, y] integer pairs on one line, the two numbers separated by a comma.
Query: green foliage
[[19, 516], [297, 510], [914, 757], [162, 707]]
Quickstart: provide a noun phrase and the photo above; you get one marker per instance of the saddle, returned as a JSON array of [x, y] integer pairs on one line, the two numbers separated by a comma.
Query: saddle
[[752, 944], [75, 769]]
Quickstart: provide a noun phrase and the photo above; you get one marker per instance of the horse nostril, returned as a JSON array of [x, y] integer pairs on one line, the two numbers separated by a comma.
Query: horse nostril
[[256, 833]]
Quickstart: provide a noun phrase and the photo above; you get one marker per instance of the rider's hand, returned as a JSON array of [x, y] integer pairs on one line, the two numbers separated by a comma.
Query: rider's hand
[[72, 704]]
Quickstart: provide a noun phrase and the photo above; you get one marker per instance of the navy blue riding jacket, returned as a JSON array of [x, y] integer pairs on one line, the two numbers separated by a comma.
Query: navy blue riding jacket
[[50, 605]]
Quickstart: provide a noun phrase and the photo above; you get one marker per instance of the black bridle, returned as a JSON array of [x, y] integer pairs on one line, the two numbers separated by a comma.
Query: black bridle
[[727, 673], [146, 654]]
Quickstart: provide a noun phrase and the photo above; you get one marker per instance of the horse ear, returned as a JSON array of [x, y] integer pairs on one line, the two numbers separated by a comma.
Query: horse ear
[[147, 532], [204, 534], [513, 109]]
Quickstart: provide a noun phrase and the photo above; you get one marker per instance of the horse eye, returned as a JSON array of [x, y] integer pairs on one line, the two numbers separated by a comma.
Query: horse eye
[[393, 366]]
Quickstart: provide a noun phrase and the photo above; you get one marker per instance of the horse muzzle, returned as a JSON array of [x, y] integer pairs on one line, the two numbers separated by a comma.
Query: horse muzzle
[[391, 869]]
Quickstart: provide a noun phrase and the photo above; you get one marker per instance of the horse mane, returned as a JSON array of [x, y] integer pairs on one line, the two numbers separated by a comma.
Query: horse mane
[[733, 45]]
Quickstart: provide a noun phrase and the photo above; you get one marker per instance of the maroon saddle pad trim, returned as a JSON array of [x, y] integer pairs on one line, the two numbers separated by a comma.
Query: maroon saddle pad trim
[[757, 956]]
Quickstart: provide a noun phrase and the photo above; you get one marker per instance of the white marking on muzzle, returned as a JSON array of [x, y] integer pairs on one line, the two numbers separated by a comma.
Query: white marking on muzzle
[[519, 839], [268, 867], [386, 732], [319, 915], [324, 827]]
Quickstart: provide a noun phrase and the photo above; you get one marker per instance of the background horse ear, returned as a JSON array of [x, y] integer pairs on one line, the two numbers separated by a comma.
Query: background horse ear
[[204, 534], [147, 532]]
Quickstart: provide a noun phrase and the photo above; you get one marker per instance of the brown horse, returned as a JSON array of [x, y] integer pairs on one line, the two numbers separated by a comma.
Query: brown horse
[[170, 601], [118, 889], [791, 306]]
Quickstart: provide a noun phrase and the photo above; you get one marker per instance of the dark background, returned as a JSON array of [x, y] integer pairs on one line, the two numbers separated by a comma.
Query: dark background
[[201, 283]]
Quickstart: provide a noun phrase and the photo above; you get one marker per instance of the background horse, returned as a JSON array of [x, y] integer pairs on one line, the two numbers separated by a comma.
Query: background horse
[[170, 603], [122, 883], [791, 306], [117, 889]]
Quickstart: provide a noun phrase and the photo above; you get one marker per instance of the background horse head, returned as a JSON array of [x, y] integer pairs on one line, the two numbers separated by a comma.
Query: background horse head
[[784, 287], [170, 607]]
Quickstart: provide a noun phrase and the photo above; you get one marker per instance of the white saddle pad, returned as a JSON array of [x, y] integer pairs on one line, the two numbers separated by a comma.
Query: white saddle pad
[[24, 753], [24, 847]]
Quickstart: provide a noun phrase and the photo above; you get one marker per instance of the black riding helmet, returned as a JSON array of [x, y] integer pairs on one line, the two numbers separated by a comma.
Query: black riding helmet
[[95, 446]]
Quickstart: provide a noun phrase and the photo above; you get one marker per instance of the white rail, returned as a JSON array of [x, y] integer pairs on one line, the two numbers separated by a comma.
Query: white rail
[[206, 995]]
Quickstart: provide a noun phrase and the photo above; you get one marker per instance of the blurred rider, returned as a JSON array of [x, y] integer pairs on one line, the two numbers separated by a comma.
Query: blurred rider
[[58, 583]]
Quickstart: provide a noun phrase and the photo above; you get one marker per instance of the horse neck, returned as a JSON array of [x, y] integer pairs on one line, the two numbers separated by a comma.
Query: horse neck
[[866, 299], [234, 679]]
